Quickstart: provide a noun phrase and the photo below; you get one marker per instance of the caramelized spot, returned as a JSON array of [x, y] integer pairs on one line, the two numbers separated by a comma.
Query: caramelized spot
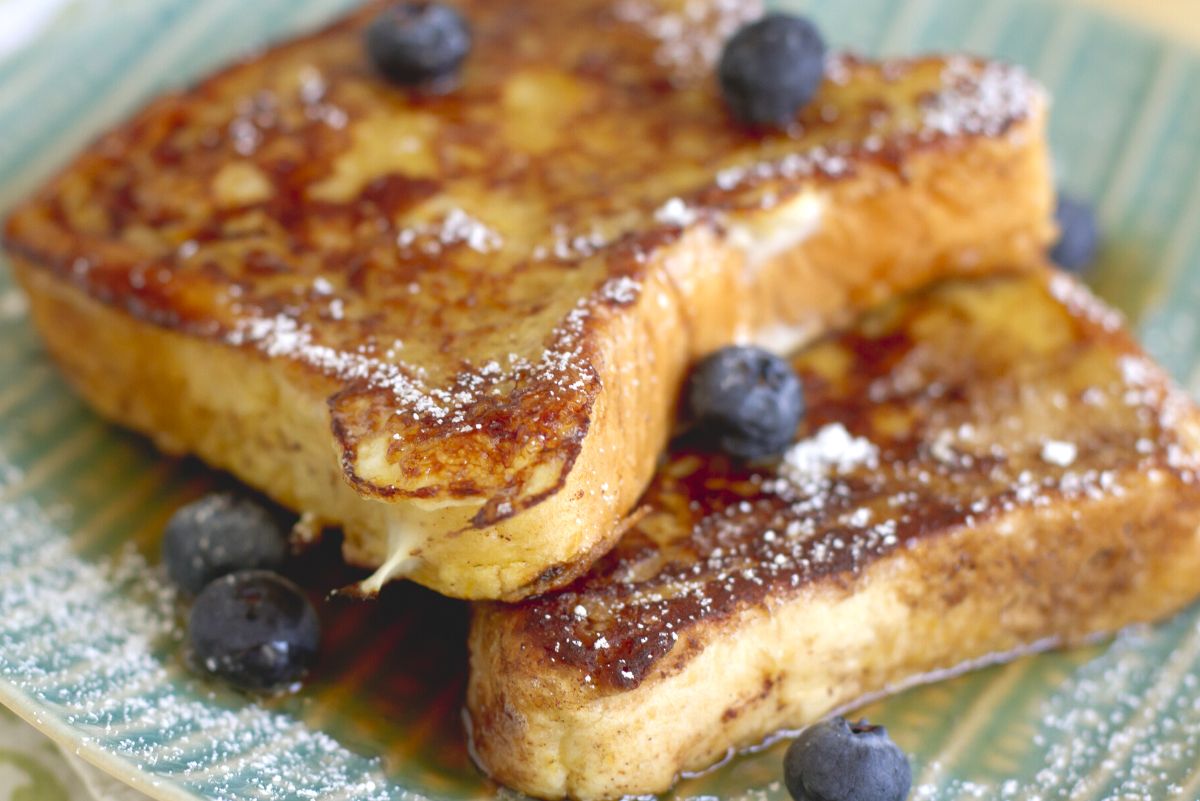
[[431, 263], [977, 382]]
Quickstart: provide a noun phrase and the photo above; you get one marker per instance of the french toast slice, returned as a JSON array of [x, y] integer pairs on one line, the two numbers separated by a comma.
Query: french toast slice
[[986, 468], [456, 324]]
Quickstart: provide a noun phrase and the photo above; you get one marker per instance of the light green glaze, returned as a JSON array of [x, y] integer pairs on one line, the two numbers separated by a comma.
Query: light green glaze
[[1118, 721], [31, 768]]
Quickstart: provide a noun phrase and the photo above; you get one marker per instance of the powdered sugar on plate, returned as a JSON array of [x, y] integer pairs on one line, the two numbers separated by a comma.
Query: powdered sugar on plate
[[93, 646]]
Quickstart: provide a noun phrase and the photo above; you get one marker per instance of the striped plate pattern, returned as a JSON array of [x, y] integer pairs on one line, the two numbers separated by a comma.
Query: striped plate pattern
[[89, 632]]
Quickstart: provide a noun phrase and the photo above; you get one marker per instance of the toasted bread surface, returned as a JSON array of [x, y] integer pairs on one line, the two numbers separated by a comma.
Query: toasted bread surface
[[456, 324], [988, 467]]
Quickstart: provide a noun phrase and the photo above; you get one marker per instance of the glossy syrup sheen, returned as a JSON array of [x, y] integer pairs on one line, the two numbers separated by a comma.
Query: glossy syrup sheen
[[433, 262], [938, 412], [1119, 720]]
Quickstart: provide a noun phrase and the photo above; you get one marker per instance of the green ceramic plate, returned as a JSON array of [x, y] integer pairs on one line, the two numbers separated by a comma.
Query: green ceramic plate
[[88, 633]]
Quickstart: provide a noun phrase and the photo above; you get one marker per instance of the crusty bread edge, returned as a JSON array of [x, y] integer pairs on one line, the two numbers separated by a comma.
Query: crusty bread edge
[[1026, 579], [964, 208]]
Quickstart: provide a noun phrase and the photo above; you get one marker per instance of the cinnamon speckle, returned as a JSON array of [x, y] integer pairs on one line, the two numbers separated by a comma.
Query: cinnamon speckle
[[721, 537]]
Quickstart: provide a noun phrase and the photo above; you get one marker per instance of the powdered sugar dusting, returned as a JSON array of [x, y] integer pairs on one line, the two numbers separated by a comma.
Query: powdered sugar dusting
[[1125, 725], [1080, 301], [1060, 453], [690, 35], [561, 365], [568, 246], [313, 95], [832, 161], [974, 100], [91, 645], [979, 101], [676, 212], [831, 451], [457, 227], [720, 538], [283, 337], [621, 290]]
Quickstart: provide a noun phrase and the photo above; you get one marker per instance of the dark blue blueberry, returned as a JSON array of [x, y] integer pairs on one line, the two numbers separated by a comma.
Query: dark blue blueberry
[[254, 629], [1079, 235], [418, 44], [771, 68], [839, 761], [218, 534], [746, 400]]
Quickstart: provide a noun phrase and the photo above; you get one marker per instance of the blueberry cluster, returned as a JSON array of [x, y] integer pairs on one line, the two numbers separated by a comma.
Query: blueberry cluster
[[257, 630], [248, 625]]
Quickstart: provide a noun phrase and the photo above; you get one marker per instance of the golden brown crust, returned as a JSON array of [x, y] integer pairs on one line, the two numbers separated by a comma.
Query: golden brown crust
[[988, 466], [495, 292]]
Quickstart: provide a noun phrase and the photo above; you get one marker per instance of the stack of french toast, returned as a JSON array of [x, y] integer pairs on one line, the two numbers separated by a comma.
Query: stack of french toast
[[458, 319]]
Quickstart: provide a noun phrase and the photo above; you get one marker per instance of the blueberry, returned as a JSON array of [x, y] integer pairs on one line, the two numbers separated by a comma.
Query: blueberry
[[414, 44], [1079, 235], [748, 400], [771, 68], [218, 534], [254, 629], [839, 761]]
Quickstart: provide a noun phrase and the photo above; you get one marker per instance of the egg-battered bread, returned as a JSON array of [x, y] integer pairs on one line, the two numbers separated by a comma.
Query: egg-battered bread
[[456, 325], [987, 468]]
